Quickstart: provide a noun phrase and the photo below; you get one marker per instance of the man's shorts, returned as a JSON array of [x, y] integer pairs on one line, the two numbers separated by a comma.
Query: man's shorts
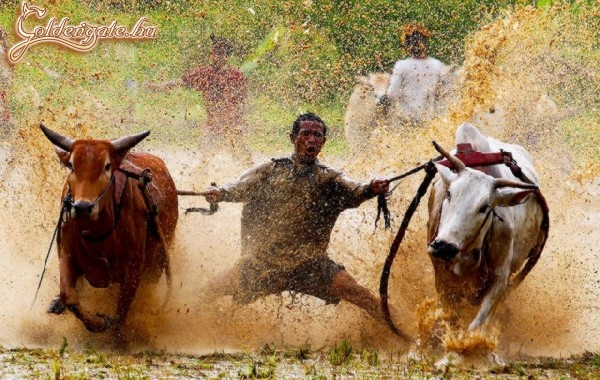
[[313, 277]]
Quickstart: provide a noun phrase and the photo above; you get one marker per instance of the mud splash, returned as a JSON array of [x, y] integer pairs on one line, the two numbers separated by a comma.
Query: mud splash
[[530, 59]]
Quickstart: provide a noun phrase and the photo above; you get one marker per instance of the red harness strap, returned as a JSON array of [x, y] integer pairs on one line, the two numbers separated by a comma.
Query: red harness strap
[[476, 160]]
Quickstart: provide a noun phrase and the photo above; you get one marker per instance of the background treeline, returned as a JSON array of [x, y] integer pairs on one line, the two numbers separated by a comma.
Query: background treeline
[[297, 54]]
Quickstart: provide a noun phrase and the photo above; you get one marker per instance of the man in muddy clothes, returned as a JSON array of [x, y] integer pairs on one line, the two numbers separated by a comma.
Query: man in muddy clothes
[[290, 207]]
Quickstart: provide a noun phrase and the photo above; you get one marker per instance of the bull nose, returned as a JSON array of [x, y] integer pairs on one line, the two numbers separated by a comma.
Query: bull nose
[[442, 250], [83, 208]]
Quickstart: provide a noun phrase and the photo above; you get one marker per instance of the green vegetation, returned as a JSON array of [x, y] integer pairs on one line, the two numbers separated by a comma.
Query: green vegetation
[[47, 363], [340, 354], [298, 55]]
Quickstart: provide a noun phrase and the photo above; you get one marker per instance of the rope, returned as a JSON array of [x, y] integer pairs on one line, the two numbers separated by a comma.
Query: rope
[[60, 218], [385, 275], [382, 207], [536, 250], [214, 207]]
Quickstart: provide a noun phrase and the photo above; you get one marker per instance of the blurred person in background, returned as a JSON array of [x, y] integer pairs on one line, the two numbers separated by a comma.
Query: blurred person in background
[[224, 90], [416, 83]]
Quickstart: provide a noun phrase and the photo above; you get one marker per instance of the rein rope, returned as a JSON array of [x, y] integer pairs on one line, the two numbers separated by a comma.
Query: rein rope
[[385, 274], [382, 206], [214, 207], [60, 221]]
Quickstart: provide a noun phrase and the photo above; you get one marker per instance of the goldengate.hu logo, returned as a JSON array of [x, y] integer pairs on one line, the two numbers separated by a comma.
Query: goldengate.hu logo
[[82, 38]]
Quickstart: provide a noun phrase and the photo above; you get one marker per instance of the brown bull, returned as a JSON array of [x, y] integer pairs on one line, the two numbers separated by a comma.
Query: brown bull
[[117, 222]]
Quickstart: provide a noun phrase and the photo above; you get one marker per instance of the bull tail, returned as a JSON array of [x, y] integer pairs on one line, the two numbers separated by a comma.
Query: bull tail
[[167, 258], [536, 250]]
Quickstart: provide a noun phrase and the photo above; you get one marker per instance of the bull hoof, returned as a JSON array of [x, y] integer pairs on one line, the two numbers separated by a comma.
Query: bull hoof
[[100, 324], [451, 358], [56, 306], [109, 323], [495, 359]]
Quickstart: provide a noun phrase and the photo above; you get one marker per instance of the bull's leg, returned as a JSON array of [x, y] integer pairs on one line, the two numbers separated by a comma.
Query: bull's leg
[[70, 299], [491, 300], [127, 292], [494, 295]]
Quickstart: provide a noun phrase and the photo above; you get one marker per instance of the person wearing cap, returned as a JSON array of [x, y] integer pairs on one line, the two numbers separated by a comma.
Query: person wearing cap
[[416, 81]]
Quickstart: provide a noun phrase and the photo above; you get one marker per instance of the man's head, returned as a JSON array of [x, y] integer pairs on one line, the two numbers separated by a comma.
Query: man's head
[[308, 136], [221, 50], [414, 38]]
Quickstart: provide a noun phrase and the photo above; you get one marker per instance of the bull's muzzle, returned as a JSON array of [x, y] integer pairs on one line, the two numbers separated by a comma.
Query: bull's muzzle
[[83, 208], [442, 250]]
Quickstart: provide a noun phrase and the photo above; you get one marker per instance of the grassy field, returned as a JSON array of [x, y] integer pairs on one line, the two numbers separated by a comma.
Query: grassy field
[[339, 362]]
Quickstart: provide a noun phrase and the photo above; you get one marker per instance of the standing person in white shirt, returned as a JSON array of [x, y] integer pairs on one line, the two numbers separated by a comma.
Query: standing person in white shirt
[[416, 82]]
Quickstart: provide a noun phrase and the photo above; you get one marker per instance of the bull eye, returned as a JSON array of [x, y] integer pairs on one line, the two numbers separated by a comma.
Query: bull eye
[[483, 208], [70, 166], [448, 196], [106, 167]]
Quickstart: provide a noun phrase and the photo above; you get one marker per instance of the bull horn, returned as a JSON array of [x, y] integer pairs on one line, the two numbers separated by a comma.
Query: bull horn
[[458, 164], [505, 182], [128, 142], [63, 142]]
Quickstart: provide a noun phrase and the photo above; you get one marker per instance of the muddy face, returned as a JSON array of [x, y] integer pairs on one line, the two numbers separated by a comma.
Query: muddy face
[[309, 141]]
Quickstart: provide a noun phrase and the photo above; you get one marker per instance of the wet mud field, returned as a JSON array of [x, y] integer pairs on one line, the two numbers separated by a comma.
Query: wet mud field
[[548, 327]]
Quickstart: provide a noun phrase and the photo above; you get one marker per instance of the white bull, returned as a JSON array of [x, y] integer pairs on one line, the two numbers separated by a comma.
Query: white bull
[[483, 228], [363, 112]]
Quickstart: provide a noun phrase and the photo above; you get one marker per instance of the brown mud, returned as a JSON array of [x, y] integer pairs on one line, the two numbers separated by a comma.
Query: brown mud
[[555, 312]]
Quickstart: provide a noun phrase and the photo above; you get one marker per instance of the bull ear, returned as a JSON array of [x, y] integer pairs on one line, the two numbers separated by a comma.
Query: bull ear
[[63, 142], [446, 174], [510, 196], [63, 156], [123, 144]]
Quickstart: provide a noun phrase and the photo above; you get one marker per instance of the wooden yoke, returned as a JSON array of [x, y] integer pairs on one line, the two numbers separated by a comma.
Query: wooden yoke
[[476, 160]]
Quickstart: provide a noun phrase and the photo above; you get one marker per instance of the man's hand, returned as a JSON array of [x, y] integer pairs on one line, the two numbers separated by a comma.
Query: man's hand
[[213, 194], [379, 186]]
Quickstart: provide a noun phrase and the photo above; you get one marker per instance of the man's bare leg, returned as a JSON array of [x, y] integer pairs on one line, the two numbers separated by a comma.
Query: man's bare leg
[[345, 287]]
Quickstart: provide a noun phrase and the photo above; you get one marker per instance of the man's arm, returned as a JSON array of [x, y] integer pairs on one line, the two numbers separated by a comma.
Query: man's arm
[[379, 186], [241, 189], [165, 85], [351, 193]]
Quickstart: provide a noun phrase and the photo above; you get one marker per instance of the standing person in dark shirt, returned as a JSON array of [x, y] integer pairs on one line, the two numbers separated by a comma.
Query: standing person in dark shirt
[[291, 205]]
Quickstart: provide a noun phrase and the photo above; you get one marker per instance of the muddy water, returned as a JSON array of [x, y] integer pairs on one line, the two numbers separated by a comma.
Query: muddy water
[[511, 66]]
